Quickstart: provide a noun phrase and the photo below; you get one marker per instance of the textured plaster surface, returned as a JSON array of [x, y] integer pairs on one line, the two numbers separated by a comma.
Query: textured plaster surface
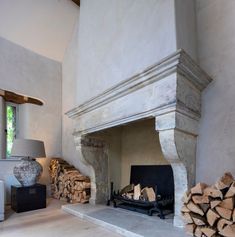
[[185, 23], [216, 48], [120, 38], [45, 27], [69, 92], [25, 72]]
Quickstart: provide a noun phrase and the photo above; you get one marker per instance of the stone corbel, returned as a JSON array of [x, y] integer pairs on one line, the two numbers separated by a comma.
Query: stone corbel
[[178, 138], [92, 153]]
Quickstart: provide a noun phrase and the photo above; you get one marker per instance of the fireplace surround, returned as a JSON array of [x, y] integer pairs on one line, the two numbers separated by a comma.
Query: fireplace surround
[[168, 91]]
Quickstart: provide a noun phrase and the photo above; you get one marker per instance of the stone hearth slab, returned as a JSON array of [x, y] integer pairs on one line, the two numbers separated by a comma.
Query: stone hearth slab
[[126, 223]]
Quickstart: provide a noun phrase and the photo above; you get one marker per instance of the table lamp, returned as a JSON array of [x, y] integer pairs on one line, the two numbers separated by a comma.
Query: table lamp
[[28, 171]]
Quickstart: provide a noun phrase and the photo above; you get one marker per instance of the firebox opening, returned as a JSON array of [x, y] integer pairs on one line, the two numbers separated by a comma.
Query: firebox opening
[[136, 143]]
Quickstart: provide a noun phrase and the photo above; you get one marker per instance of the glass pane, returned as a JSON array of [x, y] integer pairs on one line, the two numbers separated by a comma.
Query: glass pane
[[11, 127]]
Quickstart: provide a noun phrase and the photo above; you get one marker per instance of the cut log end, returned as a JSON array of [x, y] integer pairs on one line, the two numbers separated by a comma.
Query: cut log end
[[67, 183], [209, 211]]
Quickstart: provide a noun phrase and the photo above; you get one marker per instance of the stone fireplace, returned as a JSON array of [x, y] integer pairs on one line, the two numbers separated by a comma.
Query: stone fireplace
[[168, 92]]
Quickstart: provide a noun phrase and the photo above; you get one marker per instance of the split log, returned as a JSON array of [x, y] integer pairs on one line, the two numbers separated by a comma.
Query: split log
[[225, 213], [228, 231], [227, 203], [187, 218], [129, 195], [198, 232], [215, 203], [137, 192], [134, 192], [209, 211], [212, 192], [67, 183], [128, 189], [208, 231], [212, 217], [149, 194], [222, 223], [195, 208], [198, 220], [184, 209], [198, 199], [231, 191], [190, 228], [187, 197], [225, 181], [198, 189]]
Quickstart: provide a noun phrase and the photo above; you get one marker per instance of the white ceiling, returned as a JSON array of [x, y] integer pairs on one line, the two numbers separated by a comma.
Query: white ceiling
[[44, 26]]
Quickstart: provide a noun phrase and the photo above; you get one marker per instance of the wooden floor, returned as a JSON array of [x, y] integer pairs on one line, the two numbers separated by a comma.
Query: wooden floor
[[49, 222]]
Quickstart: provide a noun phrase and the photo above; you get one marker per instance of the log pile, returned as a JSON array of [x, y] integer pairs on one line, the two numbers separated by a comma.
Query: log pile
[[209, 211], [67, 183], [135, 192]]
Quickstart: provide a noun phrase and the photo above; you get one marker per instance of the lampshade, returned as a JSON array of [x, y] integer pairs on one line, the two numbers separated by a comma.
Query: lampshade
[[28, 148]]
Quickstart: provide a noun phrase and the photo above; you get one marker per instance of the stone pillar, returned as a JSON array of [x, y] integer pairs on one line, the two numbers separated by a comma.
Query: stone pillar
[[93, 153], [178, 137]]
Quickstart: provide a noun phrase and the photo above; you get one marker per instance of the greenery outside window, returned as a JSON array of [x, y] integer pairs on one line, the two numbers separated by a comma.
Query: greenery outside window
[[11, 126]]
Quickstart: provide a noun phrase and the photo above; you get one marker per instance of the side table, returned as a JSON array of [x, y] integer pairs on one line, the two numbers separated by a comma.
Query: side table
[[28, 198]]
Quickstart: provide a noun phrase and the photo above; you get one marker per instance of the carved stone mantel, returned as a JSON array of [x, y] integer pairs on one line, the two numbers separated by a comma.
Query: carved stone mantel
[[170, 92]]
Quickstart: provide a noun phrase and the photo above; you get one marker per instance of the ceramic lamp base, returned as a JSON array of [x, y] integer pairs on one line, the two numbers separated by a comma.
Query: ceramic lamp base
[[28, 171]]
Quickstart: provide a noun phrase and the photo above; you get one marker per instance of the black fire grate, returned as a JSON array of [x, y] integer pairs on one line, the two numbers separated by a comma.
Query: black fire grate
[[160, 178]]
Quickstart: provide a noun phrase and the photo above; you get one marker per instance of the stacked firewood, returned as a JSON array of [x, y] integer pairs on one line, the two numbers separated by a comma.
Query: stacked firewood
[[210, 210], [135, 192], [67, 183]]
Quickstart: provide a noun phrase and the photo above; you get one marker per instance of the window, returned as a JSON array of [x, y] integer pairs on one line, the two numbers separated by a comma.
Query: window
[[11, 125]]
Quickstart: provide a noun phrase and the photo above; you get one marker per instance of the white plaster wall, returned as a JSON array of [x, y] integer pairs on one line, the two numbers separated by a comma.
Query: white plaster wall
[[28, 73], [140, 146], [44, 26], [120, 38], [69, 74], [216, 49], [185, 22]]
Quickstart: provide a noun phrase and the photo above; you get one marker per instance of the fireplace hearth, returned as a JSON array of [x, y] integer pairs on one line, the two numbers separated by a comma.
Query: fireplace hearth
[[168, 92], [158, 178]]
